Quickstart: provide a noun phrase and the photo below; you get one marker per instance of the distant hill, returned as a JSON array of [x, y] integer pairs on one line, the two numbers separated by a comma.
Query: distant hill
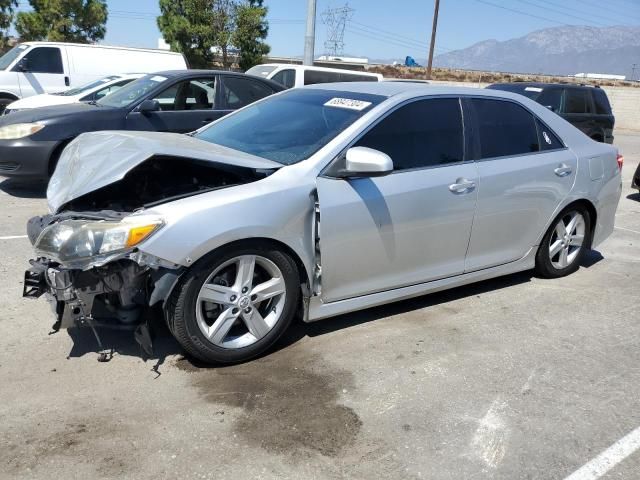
[[559, 50]]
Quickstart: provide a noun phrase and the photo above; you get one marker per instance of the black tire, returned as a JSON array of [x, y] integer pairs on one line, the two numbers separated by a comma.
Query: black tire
[[544, 266], [4, 102], [181, 308]]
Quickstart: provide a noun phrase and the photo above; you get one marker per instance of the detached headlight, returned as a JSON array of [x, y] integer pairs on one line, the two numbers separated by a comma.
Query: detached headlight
[[19, 130], [73, 240]]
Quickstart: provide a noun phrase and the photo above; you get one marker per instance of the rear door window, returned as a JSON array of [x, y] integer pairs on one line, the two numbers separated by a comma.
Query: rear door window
[[239, 92], [550, 98], [576, 101], [424, 133], [504, 128], [196, 94], [285, 77], [44, 60]]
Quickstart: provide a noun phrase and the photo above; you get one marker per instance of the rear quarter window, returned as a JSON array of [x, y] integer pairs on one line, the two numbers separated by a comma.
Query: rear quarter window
[[311, 77], [601, 102]]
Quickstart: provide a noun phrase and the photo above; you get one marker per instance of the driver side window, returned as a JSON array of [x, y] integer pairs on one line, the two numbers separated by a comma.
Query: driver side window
[[195, 94]]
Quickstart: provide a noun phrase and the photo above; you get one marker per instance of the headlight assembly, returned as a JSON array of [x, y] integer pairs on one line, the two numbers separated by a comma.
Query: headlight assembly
[[19, 130], [73, 241]]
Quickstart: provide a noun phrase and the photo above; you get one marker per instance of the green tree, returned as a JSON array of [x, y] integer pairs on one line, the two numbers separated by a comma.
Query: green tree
[[250, 32], [198, 28], [187, 25], [81, 21], [6, 17]]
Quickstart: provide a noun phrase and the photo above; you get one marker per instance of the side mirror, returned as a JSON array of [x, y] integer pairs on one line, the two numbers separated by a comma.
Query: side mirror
[[551, 107], [149, 106], [367, 162]]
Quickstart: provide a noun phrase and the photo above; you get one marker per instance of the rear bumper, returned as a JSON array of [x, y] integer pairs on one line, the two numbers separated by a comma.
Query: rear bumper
[[25, 158]]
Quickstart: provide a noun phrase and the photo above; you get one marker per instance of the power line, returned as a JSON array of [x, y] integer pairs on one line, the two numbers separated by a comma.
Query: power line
[[563, 13], [522, 13], [396, 35], [585, 12], [611, 10]]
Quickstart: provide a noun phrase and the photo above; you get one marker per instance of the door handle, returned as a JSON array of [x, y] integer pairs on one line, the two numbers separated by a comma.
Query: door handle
[[207, 120], [66, 81], [563, 170], [462, 185]]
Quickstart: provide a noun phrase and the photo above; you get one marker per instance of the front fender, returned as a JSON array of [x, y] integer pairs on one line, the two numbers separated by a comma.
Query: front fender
[[201, 224]]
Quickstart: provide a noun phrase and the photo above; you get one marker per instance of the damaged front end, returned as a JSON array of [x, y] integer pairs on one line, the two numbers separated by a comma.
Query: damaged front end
[[89, 263], [91, 272]]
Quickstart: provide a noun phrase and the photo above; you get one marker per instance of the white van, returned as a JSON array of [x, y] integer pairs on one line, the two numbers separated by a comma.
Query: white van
[[299, 75], [32, 68]]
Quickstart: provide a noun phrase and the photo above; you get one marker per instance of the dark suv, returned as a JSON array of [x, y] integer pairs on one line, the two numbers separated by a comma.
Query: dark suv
[[584, 106]]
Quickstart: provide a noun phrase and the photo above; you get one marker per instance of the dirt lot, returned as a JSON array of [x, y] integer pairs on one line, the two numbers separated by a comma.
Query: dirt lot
[[512, 378]]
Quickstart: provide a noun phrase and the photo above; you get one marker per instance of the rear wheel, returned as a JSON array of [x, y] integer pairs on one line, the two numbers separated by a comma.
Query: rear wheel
[[234, 304], [564, 244]]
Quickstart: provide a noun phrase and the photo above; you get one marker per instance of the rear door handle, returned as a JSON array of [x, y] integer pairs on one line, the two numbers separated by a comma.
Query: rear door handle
[[563, 170], [66, 81], [462, 185]]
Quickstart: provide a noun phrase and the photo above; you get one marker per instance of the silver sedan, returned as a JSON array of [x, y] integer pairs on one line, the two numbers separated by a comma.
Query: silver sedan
[[318, 201]]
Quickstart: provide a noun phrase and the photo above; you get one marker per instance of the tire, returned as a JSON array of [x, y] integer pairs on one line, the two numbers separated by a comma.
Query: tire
[[239, 324], [4, 102], [561, 250]]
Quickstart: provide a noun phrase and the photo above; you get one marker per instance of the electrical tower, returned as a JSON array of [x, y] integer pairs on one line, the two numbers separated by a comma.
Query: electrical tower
[[336, 21]]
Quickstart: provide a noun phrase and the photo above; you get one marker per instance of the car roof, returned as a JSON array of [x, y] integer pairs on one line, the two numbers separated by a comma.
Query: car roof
[[409, 89], [297, 66]]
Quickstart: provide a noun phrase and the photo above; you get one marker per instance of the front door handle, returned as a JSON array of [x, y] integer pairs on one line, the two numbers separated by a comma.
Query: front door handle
[[462, 185], [563, 170], [207, 120]]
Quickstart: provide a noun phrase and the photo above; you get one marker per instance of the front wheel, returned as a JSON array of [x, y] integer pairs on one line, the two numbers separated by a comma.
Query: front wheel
[[565, 243], [234, 304]]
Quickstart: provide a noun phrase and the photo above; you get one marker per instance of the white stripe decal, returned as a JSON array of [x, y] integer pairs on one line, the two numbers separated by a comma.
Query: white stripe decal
[[608, 459], [13, 237]]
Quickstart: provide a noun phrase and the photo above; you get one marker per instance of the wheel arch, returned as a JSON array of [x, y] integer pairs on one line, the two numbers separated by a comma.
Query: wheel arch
[[587, 204], [55, 155], [303, 274], [8, 95]]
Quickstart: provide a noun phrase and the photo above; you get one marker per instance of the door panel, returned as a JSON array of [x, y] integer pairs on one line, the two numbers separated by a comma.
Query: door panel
[[45, 71], [387, 232]]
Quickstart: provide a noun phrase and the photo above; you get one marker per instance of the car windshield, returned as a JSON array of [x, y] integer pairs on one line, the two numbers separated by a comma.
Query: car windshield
[[290, 127], [87, 86], [132, 92], [11, 55], [261, 70]]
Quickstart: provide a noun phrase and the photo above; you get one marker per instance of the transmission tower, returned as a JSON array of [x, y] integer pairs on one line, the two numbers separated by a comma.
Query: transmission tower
[[336, 21]]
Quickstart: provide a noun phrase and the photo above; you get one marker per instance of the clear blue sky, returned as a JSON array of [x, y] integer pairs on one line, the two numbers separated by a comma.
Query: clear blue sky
[[386, 29]]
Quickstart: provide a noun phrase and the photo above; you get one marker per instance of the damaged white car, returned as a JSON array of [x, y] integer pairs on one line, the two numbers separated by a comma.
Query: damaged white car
[[317, 201]]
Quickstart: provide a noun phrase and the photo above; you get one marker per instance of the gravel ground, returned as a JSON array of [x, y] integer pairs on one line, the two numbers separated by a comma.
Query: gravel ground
[[512, 378]]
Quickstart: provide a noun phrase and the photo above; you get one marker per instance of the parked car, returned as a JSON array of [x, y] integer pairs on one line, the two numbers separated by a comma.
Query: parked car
[[321, 200], [300, 75], [89, 92], [32, 68], [635, 183], [175, 101], [584, 106]]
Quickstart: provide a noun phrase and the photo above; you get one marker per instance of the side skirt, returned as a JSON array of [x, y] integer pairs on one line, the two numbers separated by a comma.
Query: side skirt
[[318, 310]]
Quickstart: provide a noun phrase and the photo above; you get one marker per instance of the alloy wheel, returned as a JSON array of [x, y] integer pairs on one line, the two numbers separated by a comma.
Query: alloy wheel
[[241, 301], [567, 240]]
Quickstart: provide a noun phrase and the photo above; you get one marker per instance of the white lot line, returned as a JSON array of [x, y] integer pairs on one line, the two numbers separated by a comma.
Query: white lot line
[[608, 459], [627, 230], [13, 237]]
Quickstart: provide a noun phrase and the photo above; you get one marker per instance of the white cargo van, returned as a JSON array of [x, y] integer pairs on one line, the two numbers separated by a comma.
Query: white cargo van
[[299, 75], [32, 68]]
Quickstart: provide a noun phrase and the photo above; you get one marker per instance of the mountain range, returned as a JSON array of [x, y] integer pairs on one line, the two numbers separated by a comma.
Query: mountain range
[[563, 50]]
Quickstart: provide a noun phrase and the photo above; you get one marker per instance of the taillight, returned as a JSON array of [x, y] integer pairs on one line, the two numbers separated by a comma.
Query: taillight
[[620, 159]]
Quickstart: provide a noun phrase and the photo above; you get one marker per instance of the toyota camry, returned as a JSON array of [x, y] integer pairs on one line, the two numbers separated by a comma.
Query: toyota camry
[[315, 202]]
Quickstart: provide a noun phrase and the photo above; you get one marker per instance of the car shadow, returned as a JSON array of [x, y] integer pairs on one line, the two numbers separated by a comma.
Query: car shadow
[[124, 344], [24, 188], [634, 196]]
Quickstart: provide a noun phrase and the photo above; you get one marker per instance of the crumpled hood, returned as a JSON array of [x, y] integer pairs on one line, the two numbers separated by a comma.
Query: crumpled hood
[[94, 160]]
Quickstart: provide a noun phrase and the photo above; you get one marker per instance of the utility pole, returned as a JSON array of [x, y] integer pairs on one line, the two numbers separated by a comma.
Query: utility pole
[[310, 36], [433, 39], [633, 71]]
